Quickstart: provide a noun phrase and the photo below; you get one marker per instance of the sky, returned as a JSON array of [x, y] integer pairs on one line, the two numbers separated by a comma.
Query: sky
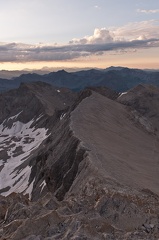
[[79, 33]]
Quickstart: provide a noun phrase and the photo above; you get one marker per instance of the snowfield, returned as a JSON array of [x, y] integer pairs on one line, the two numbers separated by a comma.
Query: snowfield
[[19, 141]]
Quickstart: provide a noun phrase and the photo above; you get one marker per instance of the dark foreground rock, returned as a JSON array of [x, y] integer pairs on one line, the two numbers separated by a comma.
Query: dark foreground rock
[[94, 176]]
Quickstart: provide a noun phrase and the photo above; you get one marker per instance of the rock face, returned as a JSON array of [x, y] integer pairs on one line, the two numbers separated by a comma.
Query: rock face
[[144, 100], [86, 169], [27, 117]]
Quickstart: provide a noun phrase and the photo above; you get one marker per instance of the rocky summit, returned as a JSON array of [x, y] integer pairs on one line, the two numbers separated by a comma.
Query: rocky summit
[[79, 166]]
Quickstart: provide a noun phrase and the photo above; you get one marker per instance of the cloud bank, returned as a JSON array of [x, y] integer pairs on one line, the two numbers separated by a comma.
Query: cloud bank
[[133, 36], [149, 11]]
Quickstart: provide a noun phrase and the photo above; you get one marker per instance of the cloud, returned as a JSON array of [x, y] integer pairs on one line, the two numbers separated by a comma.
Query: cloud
[[100, 36], [132, 31], [137, 31], [150, 11], [25, 53], [97, 7], [131, 37]]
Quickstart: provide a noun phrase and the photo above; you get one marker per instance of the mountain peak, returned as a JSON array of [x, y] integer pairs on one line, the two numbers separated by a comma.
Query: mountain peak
[[62, 71]]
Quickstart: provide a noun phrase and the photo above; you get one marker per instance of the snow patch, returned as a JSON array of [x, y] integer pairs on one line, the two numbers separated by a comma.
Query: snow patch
[[16, 171], [14, 117], [62, 116], [42, 185], [30, 188], [122, 94], [40, 116], [58, 91]]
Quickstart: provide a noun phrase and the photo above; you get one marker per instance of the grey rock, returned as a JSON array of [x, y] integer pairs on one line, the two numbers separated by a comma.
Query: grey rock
[[95, 175]]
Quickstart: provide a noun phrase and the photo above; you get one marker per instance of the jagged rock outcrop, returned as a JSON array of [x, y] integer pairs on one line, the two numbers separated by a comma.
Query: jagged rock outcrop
[[27, 118], [144, 103], [93, 176]]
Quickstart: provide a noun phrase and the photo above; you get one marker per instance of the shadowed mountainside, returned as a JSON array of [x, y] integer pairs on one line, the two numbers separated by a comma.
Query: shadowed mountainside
[[88, 169]]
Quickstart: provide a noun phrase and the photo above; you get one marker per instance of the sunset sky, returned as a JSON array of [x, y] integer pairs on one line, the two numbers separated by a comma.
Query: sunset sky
[[72, 33]]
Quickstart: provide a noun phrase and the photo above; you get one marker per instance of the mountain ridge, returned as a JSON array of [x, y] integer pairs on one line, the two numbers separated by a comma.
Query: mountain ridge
[[118, 79], [84, 170]]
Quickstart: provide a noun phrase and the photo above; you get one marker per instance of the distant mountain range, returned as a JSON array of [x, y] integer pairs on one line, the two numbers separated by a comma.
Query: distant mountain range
[[117, 78]]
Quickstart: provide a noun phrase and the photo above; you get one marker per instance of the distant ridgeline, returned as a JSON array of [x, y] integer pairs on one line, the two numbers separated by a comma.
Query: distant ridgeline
[[118, 79]]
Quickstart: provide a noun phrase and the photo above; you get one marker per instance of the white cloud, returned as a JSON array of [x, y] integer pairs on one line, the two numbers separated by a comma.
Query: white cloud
[[149, 11], [102, 35], [132, 31], [133, 36]]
